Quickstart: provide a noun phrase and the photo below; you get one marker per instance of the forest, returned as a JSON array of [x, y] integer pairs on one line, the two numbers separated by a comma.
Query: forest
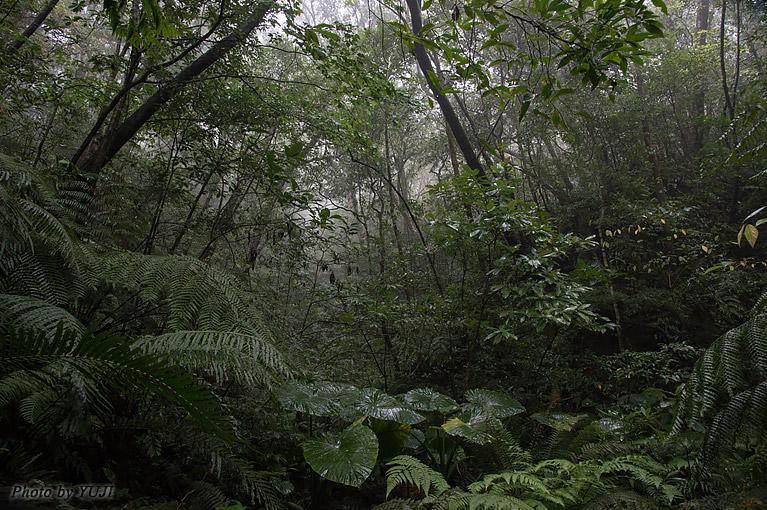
[[386, 255]]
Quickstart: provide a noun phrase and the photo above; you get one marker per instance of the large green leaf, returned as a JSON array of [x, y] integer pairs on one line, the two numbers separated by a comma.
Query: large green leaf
[[321, 398], [467, 430], [497, 404], [375, 403], [426, 399], [347, 457], [559, 421], [391, 435]]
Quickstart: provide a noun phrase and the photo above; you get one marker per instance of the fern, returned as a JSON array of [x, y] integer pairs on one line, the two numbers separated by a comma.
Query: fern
[[490, 502], [30, 212], [506, 447], [206, 495], [28, 312], [96, 362], [744, 415], [399, 504], [256, 484], [246, 358], [197, 296], [621, 498], [406, 470], [726, 389]]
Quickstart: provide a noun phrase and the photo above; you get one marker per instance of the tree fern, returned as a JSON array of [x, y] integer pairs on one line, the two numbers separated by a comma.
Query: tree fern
[[744, 415], [197, 296], [726, 389], [32, 313], [100, 361], [227, 356], [30, 212]]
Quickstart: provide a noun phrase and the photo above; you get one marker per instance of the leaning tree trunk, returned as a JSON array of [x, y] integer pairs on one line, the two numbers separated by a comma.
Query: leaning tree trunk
[[32, 28], [168, 90], [454, 123]]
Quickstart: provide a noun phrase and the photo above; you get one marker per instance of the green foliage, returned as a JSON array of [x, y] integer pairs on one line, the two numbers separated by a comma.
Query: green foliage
[[197, 295], [406, 470], [427, 399], [522, 252], [724, 369], [94, 363], [245, 358], [347, 457]]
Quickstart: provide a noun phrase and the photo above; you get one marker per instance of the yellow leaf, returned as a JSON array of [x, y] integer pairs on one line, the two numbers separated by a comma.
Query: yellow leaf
[[675, 236], [704, 248], [663, 221], [684, 231], [619, 231], [752, 234], [649, 270], [732, 268]]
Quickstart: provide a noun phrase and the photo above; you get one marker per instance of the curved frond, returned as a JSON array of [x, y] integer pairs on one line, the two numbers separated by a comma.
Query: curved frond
[[28, 312], [197, 295], [724, 371], [240, 356], [29, 212], [105, 360], [744, 415]]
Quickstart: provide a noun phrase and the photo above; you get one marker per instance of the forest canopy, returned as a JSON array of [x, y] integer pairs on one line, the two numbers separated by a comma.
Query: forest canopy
[[463, 254]]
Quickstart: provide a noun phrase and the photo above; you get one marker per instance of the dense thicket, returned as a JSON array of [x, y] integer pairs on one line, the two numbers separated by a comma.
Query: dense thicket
[[396, 255]]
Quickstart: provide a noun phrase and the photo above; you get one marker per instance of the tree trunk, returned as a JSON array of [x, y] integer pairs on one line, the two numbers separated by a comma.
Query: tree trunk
[[727, 100], [698, 100], [652, 152], [32, 28], [448, 112], [170, 89]]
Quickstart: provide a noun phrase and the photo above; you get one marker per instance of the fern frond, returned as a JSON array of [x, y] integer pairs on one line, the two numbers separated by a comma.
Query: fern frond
[[519, 483], [198, 296], [104, 360], [506, 447], [28, 312], [257, 484], [399, 504], [40, 273], [744, 415], [29, 211], [19, 384], [244, 357], [34, 405], [723, 370], [620, 499], [207, 496], [406, 470], [492, 502], [639, 467], [605, 450]]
